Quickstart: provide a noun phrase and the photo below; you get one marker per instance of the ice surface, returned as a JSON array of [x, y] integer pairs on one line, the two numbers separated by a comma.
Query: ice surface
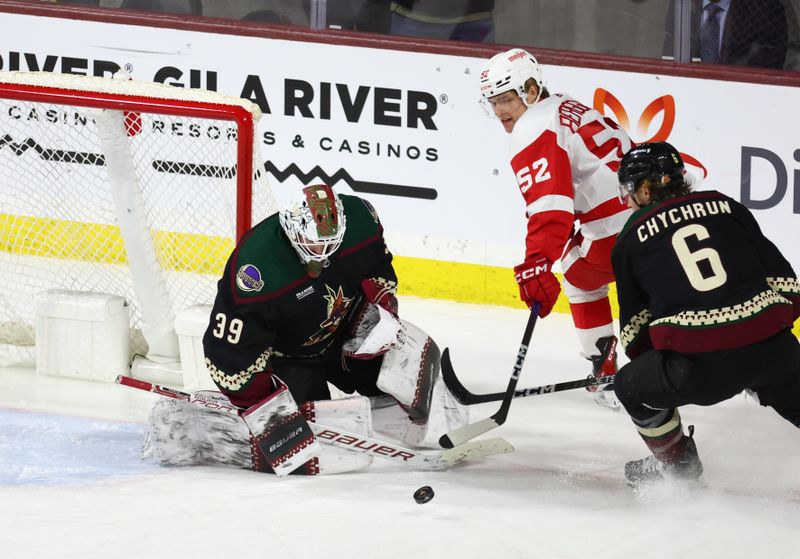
[[72, 485]]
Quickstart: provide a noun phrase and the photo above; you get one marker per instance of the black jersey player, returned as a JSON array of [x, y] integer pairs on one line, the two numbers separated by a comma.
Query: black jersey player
[[287, 299], [707, 304], [307, 298]]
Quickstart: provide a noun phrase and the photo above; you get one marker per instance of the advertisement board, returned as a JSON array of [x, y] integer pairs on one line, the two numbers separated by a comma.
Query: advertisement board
[[405, 130]]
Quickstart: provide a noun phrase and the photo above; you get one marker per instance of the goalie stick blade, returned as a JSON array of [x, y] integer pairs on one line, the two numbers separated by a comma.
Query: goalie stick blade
[[443, 460], [424, 460]]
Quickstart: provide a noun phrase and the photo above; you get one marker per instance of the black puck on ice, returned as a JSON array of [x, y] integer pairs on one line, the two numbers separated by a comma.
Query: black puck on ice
[[423, 494]]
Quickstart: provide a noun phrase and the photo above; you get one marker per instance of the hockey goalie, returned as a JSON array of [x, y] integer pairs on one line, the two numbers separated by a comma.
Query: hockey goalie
[[307, 301]]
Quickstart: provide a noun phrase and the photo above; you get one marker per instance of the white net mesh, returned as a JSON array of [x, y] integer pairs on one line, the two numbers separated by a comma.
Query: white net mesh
[[62, 219]]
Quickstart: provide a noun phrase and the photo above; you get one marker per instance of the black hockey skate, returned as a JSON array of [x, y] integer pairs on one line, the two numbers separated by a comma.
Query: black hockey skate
[[647, 471]]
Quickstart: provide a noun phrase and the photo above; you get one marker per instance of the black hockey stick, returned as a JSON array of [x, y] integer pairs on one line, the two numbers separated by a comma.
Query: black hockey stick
[[472, 430], [464, 396]]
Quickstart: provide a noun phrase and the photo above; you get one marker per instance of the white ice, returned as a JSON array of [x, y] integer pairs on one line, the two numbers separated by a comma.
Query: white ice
[[72, 485]]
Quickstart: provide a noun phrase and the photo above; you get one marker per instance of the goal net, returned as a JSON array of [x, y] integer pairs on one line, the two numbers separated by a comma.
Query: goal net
[[121, 187]]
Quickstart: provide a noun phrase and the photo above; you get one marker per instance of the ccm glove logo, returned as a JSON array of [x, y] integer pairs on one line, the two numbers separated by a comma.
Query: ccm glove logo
[[537, 284], [541, 267]]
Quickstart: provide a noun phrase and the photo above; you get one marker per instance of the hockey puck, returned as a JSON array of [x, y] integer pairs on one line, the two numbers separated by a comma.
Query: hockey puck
[[423, 494]]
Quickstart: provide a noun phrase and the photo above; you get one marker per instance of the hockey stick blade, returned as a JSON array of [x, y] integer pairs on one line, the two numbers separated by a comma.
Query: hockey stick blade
[[458, 437], [467, 398], [416, 459], [422, 460], [472, 430]]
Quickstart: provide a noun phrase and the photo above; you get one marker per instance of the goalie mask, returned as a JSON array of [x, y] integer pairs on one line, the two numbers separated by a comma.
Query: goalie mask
[[509, 71], [315, 223]]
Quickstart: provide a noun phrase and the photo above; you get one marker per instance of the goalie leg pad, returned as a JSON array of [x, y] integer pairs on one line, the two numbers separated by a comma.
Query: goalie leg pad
[[410, 370], [282, 439], [203, 431], [349, 414], [173, 437], [446, 414], [184, 433]]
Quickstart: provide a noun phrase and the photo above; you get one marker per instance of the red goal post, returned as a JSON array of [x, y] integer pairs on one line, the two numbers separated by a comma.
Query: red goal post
[[123, 187]]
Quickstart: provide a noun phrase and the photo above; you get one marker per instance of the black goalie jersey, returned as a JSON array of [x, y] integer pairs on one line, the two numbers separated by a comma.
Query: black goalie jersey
[[694, 274], [267, 304]]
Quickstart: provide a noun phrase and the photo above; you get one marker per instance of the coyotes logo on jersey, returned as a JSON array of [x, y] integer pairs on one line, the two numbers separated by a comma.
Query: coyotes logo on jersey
[[338, 305]]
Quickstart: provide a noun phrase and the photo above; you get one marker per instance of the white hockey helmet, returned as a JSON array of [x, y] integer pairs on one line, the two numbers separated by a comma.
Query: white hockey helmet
[[508, 71], [315, 223]]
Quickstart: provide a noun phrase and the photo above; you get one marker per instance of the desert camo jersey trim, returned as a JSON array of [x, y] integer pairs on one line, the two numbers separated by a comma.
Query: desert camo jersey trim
[[784, 286], [636, 326], [713, 318], [235, 382]]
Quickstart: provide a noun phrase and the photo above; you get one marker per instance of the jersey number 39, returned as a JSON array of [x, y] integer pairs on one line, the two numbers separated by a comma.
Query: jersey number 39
[[231, 331]]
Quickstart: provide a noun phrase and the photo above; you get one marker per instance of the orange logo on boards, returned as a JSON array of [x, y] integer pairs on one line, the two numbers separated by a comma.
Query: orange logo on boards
[[664, 105]]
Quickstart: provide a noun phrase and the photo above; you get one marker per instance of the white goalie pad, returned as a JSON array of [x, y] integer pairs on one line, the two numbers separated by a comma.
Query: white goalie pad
[[182, 433], [410, 374], [199, 432], [351, 414], [409, 371], [446, 414]]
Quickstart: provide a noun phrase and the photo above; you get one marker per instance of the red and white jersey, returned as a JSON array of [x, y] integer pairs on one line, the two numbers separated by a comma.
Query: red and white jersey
[[565, 156]]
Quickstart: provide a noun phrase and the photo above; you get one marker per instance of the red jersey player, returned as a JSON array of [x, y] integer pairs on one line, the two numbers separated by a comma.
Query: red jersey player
[[565, 156]]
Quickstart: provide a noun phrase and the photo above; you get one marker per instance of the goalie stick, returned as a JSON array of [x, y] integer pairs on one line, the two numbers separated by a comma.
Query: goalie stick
[[470, 431], [464, 396], [420, 460]]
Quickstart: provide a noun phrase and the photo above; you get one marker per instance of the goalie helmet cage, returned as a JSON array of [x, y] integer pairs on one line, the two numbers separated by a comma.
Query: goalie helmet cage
[[123, 187]]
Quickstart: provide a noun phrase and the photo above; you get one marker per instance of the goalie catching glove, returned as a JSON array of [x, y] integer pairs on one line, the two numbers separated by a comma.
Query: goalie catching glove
[[537, 284]]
